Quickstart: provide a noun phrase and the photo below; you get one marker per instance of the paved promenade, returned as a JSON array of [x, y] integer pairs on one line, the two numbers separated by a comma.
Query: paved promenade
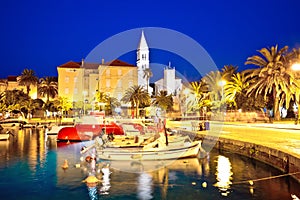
[[281, 136], [284, 136]]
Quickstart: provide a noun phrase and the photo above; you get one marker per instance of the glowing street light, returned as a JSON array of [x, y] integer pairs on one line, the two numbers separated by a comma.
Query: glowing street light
[[296, 66], [222, 83]]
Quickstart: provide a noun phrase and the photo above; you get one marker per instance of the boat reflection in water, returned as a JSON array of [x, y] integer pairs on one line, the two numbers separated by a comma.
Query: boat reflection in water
[[141, 177]]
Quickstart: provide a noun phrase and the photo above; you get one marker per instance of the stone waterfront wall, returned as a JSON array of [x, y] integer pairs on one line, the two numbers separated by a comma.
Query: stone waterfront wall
[[276, 158]]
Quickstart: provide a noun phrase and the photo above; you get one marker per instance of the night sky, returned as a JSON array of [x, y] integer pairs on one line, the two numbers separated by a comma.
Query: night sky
[[41, 35]]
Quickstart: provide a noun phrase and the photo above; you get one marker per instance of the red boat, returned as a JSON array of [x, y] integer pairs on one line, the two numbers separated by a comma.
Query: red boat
[[84, 132]]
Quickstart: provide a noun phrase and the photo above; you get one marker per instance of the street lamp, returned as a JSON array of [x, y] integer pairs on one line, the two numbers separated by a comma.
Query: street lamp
[[222, 83]]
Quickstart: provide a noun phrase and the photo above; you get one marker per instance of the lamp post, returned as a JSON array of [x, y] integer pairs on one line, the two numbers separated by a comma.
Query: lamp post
[[222, 83]]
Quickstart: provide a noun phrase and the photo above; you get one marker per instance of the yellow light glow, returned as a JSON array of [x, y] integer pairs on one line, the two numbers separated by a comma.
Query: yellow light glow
[[296, 67], [222, 83], [224, 175]]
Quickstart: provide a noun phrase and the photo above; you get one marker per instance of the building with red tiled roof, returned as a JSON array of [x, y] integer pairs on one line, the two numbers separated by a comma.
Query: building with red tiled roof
[[79, 81]]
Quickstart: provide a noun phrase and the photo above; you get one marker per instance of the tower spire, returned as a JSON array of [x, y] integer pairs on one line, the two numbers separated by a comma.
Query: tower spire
[[143, 43]]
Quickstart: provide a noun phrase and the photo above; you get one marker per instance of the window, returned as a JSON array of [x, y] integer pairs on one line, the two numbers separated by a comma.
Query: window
[[75, 90], [130, 83], [75, 79], [66, 90], [67, 79], [120, 72], [108, 72], [108, 83]]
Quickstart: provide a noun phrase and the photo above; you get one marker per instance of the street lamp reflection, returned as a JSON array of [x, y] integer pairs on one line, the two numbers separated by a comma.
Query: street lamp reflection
[[224, 175]]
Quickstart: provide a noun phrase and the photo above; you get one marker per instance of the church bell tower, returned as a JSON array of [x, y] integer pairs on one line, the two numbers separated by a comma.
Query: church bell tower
[[142, 61]]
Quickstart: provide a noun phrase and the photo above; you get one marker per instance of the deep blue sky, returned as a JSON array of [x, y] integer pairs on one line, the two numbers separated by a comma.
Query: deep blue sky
[[41, 35]]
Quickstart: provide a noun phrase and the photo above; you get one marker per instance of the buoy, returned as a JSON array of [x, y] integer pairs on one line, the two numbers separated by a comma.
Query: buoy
[[88, 159], [65, 165], [91, 181]]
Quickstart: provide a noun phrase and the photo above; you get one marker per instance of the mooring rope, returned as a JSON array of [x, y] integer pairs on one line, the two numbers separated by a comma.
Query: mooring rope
[[251, 181]]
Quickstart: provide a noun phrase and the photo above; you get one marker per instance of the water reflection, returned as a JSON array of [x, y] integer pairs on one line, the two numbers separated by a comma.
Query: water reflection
[[224, 175], [144, 188], [35, 163]]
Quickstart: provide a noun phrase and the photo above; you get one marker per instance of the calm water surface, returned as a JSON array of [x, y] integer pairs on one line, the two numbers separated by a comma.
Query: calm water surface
[[30, 168]]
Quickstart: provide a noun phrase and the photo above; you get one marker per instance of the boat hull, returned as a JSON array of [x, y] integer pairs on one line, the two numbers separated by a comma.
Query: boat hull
[[166, 153], [85, 132]]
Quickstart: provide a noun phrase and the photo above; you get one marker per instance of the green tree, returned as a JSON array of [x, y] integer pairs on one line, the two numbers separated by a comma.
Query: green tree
[[63, 103], [272, 77], [228, 71], [200, 91], [48, 87], [27, 79], [136, 95], [215, 89], [164, 101], [236, 87]]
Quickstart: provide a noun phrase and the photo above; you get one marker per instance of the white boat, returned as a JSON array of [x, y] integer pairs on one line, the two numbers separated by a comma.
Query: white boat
[[12, 123], [4, 136], [158, 150]]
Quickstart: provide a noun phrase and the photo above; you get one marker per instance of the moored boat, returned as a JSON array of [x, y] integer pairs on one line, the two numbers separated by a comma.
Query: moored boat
[[12, 123], [84, 132], [158, 150]]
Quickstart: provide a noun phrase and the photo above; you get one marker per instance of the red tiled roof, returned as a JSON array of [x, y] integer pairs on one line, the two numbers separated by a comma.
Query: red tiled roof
[[12, 78], [117, 62], [71, 64]]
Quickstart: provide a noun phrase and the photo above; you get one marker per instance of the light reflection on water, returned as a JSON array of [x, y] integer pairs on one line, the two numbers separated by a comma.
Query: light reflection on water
[[32, 162]]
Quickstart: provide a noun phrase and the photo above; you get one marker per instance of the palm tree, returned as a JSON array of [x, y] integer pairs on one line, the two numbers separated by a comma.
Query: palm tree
[[136, 95], [28, 106], [164, 101], [48, 87], [272, 77], [213, 80], [102, 98], [228, 71], [235, 87], [147, 74], [200, 91], [27, 79]]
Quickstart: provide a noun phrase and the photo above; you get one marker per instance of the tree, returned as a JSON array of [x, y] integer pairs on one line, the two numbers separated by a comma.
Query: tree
[[27, 79], [215, 89], [236, 87], [48, 87], [228, 71], [63, 104], [109, 102], [272, 77], [136, 95], [200, 91], [147, 74], [164, 101]]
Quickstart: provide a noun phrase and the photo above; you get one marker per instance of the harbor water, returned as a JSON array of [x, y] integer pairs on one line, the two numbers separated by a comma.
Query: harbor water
[[31, 168]]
